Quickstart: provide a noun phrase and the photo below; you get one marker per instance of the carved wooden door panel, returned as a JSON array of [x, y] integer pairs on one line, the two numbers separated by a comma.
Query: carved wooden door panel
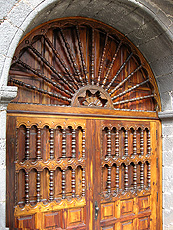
[[84, 173], [50, 172], [126, 175]]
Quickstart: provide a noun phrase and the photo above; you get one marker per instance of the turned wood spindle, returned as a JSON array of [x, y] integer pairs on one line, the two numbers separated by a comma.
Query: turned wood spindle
[[142, 143], [117, 143], [93, 58], [38, 186], [109, 143], [73, 143], [102, 61], [117, 178], [126, 180], [83, 143], [38, 144], [148, 175], [109, 180], [17, 144], [51, 143], [142, 176], [82, 55], [63, 184], [63, 143], [148, 143], [71, 56], [73, 183], [51, 185], [83, 182], [26, 187], [27, 148], [135, 177], [134, 143], [126, 143]]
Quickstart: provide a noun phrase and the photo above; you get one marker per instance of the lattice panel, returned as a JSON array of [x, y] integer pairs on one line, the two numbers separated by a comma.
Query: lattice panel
[[50, 164], [126, 174], [126, 159], [78, 62]]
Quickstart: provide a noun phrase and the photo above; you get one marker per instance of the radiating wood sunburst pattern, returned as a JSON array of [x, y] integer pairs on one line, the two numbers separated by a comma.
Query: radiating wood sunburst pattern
[[81, 62]]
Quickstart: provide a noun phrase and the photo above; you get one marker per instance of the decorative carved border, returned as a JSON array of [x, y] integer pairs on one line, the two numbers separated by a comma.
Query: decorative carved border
[[52, 206]]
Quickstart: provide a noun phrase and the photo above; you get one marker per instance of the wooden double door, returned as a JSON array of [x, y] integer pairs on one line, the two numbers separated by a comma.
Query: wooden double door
[[83, 172]]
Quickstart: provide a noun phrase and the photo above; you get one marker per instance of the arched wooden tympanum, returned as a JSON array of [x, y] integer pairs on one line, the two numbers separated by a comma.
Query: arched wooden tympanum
[[84, 150]]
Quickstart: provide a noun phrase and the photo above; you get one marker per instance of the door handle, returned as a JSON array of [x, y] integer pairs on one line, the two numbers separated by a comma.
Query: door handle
[[96, 210]]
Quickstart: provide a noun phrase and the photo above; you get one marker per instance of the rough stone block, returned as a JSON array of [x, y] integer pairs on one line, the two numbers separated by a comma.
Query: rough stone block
[[114, 12], [167, 131], [156, 49], [168, 173], [163, 66], [136, 25], [3, 184], [3, 124], [47, 10], [30, 22], [168, 158], [167, 200], [168, 143], [166, 101], [7, 32], [77, 8], [6, 7], [14, 43], [35, 3], [93, 8], [167, 187], [165, 15], [5, 71], [19, 13], [2, 60], [168, 217], [165, 82], [149, 5], [2, 215], [2, 155], [160, 8], [145, 32], [46, 4]]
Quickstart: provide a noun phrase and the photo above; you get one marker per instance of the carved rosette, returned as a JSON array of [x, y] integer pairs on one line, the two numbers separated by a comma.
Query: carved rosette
[[92, 96]]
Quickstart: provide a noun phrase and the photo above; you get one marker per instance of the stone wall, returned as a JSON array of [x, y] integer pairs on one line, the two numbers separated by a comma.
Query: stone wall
[[147, 23]]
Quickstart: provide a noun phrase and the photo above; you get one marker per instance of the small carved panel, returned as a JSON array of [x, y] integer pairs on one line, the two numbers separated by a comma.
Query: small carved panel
[[144, 203], [126, 207], [92, 96], [75, 217], [53, 219], [144, 223], [128, 225], [107, 211], [25, 222]]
